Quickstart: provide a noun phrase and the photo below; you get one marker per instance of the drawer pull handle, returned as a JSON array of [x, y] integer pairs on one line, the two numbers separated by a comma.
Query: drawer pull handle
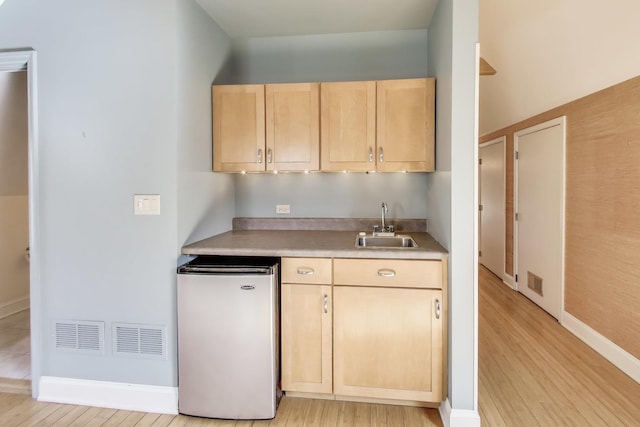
[[306, 271], [386, 273], [437, 309], [325, 303]]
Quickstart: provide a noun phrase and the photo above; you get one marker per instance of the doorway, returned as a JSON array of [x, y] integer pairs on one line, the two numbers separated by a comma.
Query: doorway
[[15, 349], [539, 222], [25, 60], [492, 205]]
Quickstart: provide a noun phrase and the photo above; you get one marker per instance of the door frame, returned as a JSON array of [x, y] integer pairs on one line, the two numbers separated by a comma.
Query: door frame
[[562, 122], [19, 60], [503, 140]]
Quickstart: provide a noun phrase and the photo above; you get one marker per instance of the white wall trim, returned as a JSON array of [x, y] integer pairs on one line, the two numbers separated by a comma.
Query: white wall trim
[[458, 417], [626, 362], [103, 394], [509, 280], [14, 306], [14, 60]]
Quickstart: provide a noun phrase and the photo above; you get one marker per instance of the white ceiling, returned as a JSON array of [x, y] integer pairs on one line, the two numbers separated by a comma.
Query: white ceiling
[[264, 18]]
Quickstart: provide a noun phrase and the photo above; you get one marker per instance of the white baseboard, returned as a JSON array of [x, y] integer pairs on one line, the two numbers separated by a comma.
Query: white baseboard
[[609, 350], [13, 307], [510, 281], [103, 394], [458, 417]]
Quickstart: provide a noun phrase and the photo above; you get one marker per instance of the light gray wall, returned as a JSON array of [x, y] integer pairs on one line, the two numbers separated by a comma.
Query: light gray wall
[[108, 125], [453, 36], [328, 57], [205, 199], [341, 195]]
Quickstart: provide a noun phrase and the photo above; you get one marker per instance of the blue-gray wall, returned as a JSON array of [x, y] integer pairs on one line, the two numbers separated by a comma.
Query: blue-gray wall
[[115, 92], [452, 59], [340, 195], [330, 57]]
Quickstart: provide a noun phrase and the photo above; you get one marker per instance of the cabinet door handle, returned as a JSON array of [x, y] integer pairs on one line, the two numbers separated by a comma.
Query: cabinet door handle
[[269, 155], [386, 272], [325, 303], [259, 155], [380, 155], [306, 271], [370, 155], [437, 309]]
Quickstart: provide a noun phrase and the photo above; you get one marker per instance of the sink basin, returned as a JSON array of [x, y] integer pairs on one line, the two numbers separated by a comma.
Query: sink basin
[[398, 241]]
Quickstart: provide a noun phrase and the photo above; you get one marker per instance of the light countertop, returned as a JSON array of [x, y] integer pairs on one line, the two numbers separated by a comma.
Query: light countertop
[[309, 243]]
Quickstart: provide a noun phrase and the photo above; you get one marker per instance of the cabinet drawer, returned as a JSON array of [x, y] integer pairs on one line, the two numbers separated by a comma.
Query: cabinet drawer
[[306, 270], [388, 273]]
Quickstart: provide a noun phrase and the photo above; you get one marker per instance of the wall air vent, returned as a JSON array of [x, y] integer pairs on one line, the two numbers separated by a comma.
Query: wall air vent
[[534, 283], [79, 336], [139, 341]]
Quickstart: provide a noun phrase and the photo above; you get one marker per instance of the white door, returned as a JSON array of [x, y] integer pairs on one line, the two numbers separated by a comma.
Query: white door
[[540, 214], [491, 215]]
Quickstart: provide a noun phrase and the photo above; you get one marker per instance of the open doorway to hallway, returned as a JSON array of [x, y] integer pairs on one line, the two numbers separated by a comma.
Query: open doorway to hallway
[[15, 349]]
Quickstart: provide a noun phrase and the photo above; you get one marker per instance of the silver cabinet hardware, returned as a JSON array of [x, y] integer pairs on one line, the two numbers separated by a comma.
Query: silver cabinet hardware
[[437, 309], [260, 155], [269, 152], [370, 155], [386, 272], [306, 271], [325, 303], [380, 155]]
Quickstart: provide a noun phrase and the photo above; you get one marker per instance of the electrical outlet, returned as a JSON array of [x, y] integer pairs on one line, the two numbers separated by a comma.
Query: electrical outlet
[[283, 209]]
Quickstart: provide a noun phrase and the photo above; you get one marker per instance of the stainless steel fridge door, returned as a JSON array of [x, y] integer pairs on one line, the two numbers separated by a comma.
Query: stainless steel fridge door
[[227, 357]]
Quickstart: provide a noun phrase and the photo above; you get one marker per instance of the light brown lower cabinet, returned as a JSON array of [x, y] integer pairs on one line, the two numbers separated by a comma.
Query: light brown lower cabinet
[[387, 343], [378, 331], [306, 338]]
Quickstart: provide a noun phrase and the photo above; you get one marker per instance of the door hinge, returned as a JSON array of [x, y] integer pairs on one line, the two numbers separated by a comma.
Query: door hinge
[[479, 253], [517, 155], [480, 207], [479, 161], [517, 216], [516, 278]]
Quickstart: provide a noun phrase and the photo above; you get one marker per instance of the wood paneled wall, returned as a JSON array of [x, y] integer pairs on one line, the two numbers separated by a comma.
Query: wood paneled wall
[[602, 228]]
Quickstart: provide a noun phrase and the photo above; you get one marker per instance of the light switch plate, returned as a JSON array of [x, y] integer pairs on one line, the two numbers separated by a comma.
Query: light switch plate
[[283, 209], [146, 204]]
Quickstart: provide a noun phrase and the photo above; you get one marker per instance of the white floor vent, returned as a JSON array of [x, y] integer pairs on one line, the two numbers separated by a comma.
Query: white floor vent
[[140, 341], [79, 336]]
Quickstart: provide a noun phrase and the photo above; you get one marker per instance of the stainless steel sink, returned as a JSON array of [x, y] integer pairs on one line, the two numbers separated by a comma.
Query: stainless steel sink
[[398, 241]]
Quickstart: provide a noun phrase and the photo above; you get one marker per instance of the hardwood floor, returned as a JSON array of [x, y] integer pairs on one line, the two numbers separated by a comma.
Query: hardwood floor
[[15, 346], [20, 410], [532, 372]]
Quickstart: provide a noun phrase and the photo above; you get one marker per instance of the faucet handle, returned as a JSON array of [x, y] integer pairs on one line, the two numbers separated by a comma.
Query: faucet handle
[[376, 228], [391, 228]]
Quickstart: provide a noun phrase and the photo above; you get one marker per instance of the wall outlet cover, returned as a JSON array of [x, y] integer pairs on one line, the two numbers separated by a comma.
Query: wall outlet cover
[[283, 209]]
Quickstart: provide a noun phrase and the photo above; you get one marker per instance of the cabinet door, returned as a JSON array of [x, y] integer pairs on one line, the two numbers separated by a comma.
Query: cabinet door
[[388, 343], [348, 120], [405, 125], [238, 128], [293, 126], [306, 338]]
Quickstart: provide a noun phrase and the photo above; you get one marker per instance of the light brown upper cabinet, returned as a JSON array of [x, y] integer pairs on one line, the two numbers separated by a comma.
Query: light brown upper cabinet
[[386, 125], [293, 126], [238, 128], [348, 120], [405, 125], [266, 127]]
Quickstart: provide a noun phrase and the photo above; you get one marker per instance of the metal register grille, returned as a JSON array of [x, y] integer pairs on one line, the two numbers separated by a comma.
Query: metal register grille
[[140, 341]]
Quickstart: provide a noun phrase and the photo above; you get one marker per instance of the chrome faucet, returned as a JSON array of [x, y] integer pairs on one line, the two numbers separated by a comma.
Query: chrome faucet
[[384, 229], [385, 209]]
